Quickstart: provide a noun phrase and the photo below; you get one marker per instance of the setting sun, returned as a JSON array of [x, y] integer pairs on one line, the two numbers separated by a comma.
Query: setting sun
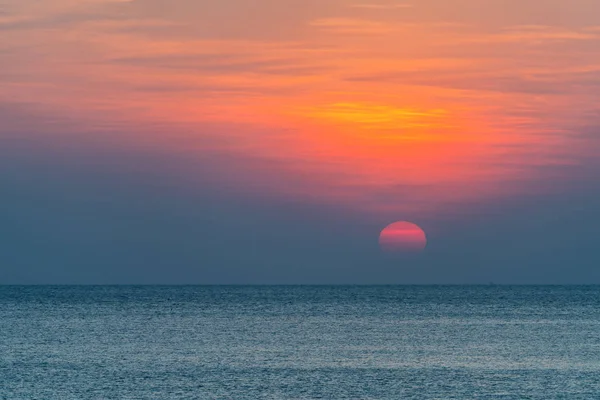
[[402, 236]]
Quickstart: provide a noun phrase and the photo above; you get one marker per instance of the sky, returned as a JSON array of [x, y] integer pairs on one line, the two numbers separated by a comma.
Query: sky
[[270, 141]]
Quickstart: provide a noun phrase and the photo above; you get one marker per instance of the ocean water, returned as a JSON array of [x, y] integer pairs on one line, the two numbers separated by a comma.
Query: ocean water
[[299, 342]]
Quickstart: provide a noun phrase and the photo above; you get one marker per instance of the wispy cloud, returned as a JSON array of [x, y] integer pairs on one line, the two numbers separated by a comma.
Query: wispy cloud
[[225, 63], [352, 26], [540, 33], [375, 6]]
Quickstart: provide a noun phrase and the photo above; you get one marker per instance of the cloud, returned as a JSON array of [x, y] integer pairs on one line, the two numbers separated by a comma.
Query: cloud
[[478, 81], [538, 34], [352, 26], [224, 64], [83, 19], [382, 6]]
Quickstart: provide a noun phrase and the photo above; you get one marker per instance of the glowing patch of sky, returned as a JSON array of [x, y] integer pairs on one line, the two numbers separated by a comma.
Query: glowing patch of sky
[[384, 107]]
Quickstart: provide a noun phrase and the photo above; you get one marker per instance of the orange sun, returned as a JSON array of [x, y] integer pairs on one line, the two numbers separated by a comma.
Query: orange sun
[[402, 236]]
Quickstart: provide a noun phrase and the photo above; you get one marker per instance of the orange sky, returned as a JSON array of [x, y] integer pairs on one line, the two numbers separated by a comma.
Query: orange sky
[[401, 108]]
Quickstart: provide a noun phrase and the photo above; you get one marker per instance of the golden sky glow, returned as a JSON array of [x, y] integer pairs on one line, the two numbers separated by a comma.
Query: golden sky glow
[[402, 108]]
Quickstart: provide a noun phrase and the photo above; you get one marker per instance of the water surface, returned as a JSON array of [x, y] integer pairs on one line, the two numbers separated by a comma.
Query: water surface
[[299, 342]]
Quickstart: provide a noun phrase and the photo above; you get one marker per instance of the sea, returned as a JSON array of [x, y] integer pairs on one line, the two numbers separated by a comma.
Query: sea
[[299, 342]]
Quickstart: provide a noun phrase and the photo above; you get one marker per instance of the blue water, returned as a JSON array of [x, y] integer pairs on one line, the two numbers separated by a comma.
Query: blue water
[[300, 342]]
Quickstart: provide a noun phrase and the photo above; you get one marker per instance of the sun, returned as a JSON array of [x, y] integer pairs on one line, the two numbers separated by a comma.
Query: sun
[[402, 237]]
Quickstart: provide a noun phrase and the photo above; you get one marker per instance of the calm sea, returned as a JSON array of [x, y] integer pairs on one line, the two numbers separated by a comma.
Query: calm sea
[[299, 342]]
